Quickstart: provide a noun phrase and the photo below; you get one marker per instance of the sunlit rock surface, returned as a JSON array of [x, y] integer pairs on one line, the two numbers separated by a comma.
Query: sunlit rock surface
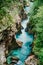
[[2, 54], [31, 60]]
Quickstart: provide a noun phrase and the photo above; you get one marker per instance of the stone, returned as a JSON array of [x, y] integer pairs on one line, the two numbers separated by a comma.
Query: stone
[[31, 60], [2, 54], [19, 27], [19, 43], [14, 61], [15, 58], [6, 53], [22, 14], [28, 4]]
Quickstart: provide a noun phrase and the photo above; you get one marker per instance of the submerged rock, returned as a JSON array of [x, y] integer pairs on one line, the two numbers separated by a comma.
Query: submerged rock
[[14, 60]]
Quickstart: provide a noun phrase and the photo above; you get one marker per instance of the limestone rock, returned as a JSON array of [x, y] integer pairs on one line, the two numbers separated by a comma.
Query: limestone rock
[[2, 54], [14, 60], [31, 60], [18, 26], [19, 43]]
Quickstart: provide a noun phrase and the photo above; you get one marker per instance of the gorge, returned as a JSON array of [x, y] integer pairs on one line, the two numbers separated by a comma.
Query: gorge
[[27, 39], [21, 32]]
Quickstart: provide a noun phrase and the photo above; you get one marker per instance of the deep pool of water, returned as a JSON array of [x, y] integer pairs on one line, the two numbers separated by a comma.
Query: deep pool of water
[[23, 52]]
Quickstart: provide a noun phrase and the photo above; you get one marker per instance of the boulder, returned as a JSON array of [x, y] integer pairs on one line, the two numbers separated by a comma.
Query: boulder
[[19, 43], [28, 4], [19, 27], [31, 60], [14, 60]]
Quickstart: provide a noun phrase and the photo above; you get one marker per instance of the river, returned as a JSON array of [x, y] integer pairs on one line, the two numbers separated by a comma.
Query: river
[[27, 39]]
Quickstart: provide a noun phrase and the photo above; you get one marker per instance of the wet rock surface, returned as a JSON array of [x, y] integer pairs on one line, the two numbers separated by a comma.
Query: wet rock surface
[[19, 43], [14, 60], [22, 14], [29, 28], [18, 26]]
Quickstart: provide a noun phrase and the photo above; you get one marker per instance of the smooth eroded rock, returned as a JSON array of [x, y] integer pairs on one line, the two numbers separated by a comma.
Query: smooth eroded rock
[[14, 60], [19, 43]]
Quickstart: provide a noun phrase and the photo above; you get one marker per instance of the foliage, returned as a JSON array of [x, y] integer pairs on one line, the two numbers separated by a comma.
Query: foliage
[[8, 10], [37, 23]]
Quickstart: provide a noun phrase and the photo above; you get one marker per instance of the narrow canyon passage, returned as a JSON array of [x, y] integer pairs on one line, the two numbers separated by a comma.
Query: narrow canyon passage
[[26, 38], [21, 32]]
